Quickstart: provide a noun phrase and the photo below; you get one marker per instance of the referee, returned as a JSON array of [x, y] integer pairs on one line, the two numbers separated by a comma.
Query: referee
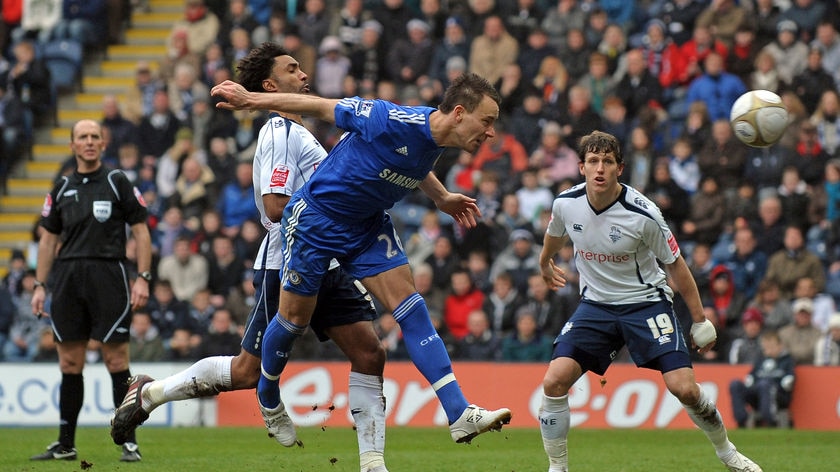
[[81, 254]]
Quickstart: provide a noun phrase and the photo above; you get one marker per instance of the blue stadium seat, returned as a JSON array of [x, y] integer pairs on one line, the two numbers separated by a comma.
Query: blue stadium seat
[[64, 58]]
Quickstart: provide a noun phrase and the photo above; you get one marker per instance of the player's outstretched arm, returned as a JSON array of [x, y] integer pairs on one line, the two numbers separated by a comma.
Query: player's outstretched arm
[[456, 205], [236, 97]]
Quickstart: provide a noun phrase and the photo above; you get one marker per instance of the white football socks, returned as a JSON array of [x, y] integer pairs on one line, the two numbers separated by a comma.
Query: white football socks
[[205, 378]]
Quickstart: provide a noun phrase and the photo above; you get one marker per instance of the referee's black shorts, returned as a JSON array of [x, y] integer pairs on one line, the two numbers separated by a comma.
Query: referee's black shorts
[[90, 300]]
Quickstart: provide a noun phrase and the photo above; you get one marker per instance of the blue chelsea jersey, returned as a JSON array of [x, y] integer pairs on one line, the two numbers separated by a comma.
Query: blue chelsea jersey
[[386, 152]]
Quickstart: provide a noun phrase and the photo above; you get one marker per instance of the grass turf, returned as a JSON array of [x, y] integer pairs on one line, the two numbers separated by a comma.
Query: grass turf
[[420, 449]]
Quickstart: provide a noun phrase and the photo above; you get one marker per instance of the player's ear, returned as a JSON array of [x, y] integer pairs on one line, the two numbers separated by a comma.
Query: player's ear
[[269, 86]]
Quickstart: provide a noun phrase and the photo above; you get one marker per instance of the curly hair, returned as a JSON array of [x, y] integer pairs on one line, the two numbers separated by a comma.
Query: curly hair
[[256, 66]]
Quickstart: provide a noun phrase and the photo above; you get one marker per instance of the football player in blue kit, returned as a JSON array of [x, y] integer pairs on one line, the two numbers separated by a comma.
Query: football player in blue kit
[[387, 151], [620, 239]]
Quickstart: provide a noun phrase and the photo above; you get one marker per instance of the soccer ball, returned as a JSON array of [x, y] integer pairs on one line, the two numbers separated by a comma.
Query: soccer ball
[[759, 118]]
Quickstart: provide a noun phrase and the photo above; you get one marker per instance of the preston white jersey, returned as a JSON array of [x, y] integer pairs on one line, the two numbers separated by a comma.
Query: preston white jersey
[[616, 249], [286, 157]]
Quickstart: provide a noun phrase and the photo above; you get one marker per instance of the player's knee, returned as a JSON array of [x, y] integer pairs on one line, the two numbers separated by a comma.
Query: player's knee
[[688, 393], [244, 375], [369, 359]]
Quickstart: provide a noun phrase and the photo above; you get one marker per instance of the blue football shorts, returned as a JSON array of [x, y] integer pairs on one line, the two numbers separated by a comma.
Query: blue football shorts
[[341, 301], [363, 248], [596, 332]]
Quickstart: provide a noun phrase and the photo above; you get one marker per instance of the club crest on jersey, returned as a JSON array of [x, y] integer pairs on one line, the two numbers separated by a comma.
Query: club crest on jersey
[[101, 211], [364, 108], [279, 176], [47, 207], [615, 233]]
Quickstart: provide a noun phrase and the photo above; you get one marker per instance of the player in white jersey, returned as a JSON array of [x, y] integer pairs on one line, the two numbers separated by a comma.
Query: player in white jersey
[[620, 238], [287, 154]]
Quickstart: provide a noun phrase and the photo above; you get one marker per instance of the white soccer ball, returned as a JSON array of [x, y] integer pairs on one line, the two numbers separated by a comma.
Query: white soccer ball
[[759, 118]]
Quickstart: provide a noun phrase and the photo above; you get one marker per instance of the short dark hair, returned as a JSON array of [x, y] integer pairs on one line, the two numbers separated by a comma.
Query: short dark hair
[[600, 142], [257, 65], [467, 91]]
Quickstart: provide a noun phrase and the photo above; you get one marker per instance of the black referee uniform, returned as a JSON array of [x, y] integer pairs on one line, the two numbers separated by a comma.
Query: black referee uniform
[[89, 281]]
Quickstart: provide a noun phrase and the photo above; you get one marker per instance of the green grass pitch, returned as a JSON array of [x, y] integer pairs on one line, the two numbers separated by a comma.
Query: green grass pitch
[[420, 449]]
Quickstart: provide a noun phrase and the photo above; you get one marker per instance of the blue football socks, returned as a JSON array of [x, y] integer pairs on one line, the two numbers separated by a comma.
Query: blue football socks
[[276, 345], [429, 355]]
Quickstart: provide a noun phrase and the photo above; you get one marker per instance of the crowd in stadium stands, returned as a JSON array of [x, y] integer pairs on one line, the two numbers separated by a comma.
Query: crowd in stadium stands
[[760, 227]]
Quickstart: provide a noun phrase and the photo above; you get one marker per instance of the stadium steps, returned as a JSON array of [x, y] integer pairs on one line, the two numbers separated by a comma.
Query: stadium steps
[[108, 73]]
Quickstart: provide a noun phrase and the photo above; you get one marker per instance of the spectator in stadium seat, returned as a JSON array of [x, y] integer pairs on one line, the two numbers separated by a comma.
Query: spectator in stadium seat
[[824, 305], [827, 351], [791, 54], [492, 50], [186, 271], [768, 387], [12, 132], [367, 62], [221, 338], [201, 26], [236, 200], [746, 347], [800, 337], [157, 130], [534, 49], [502, 303], [526, 343], [29, 79], [410, 57], [723, 156], [139, 99], [559, 20], [715, 87], [145, 343], [638, 88], [777, 311], [786, 266], [705, 220], [463, 299], [520, 259], [480, 343], [195, 190], [122, 131]]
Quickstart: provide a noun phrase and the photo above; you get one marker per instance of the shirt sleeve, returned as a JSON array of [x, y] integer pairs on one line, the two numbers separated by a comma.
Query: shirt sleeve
[[556, 226], [363, 117], [134, 206], [277, 173], [660, 239]]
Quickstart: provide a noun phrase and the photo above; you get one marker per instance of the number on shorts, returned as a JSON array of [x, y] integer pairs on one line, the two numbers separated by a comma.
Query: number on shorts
[[389, 249], [660, 325]]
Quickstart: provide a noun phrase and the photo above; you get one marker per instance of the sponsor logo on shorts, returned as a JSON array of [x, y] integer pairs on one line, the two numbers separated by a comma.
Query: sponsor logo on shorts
[[664, 339]]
